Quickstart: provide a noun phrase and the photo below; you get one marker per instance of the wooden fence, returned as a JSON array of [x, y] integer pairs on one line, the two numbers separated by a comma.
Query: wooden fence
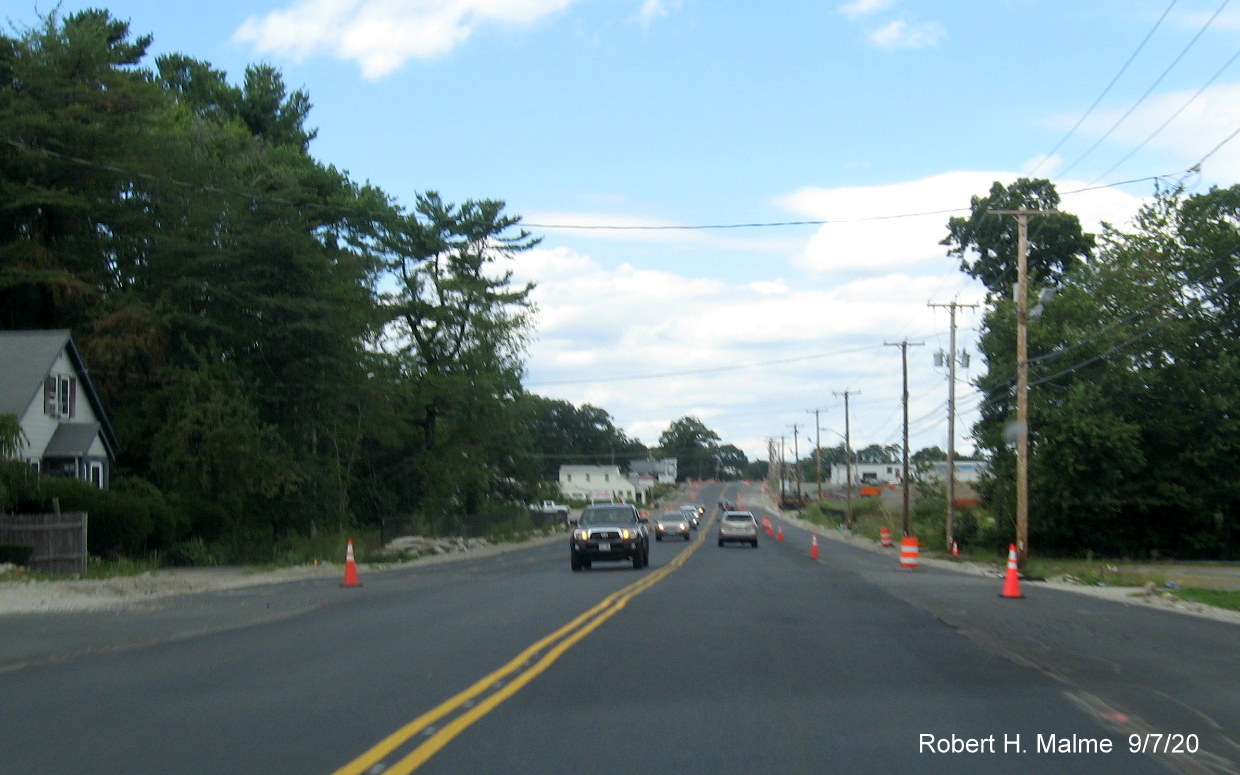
[[59, 540]]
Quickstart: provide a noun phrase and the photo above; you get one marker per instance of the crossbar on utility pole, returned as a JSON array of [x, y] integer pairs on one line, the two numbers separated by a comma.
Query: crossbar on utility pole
[[951, 426], [904, 357], [1022, 216]]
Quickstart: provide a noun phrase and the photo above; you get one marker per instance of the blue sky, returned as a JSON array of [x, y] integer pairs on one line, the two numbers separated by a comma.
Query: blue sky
[[688, 113]]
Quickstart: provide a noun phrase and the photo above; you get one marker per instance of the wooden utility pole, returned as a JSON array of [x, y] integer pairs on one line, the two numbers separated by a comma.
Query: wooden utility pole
[[796, 460], [904, 357], [818, 449], [848, 465], [771, 465], [1022, 376], [951, 426]]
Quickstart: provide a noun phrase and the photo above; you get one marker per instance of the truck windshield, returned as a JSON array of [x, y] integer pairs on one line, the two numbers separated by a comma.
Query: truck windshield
[[606, 516]]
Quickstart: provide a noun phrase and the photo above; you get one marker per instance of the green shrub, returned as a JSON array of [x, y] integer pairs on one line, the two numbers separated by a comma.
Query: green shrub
[[19, 484], [121, 522], [191, 553]]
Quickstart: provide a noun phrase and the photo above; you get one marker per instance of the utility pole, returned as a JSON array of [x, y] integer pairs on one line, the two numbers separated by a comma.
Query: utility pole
[[848, 465], [1022, 376], [951, 426], [770, 464], [904, 358], [818, 449], [796, 461], [782, 476]]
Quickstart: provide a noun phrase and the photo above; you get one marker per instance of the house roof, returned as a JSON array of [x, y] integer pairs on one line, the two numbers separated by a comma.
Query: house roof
[[26, 358], [72, 439]]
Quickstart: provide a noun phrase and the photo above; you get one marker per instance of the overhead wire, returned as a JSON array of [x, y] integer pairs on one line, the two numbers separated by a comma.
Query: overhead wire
[[1146, 94], [1170, 118], [1089, 111]]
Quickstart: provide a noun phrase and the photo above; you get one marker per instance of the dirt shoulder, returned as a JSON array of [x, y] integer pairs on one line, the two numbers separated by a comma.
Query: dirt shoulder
[[1145, 596], [26, 596]]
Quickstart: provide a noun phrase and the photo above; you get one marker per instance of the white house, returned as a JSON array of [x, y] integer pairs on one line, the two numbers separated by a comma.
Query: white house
[[868, 473], [596, 483], [45, 384], [967, 471], [662, 471]]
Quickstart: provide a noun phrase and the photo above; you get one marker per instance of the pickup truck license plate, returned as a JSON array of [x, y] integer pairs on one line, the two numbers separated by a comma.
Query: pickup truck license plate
[[604, 547]]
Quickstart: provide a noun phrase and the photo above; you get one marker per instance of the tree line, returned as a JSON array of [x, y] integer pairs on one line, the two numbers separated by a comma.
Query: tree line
[[280, 348], [1134, 372]]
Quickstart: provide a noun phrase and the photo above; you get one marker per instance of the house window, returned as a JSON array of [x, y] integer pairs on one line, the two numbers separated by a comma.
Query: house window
[[96, 474], [65, 397], [60, 396]]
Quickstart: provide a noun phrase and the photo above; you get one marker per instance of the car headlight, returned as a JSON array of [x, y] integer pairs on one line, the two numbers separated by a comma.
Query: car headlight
[[581, 535], [626, 534]]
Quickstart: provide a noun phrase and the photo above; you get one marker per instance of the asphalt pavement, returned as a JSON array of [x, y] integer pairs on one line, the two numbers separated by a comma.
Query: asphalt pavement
[[712, 660]]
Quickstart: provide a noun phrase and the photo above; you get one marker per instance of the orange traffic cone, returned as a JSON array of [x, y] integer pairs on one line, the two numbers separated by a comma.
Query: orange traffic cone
[[955, 549], [1011, 585], [780, 535], [813, 548], [350, 569]]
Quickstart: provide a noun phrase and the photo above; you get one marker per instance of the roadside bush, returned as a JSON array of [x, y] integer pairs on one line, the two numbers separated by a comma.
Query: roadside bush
[[191, 553], [19, 484], [121, 522]]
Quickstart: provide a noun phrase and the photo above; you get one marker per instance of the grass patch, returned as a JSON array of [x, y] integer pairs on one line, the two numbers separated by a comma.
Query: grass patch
[[98, 568], [1219, 598], [1110, 573]]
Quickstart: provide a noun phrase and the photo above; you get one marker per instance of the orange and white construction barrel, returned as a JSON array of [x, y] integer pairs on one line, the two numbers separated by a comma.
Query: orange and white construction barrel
[[909, 551]]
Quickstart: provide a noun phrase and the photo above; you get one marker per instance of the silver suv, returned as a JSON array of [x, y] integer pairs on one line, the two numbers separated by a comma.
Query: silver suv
[[738, 526], [609, 531]]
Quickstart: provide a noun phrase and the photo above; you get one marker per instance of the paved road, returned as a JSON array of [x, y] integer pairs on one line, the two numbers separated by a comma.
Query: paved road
[[713, 660]]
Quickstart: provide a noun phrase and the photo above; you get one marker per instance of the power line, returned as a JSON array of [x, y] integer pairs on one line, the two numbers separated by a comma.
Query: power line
[[704, 370], [267, 198], [1089, 111], [1148, 91], [1170, 118]]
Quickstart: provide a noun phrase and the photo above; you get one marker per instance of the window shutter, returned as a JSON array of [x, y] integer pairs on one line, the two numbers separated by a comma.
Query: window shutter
[[49, 396], [72, 397]]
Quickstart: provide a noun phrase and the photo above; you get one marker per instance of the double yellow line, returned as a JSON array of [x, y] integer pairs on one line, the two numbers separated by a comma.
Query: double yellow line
[[503, 683]]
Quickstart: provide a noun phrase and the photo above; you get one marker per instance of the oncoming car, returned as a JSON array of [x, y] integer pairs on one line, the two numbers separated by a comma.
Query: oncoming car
[[672, 523], [609, 532], [738, 526]]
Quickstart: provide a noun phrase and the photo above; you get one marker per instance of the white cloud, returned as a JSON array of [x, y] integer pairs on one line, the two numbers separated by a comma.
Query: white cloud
[[884, 228], [1197, 130], [898, 227], [652, 346], [381, 35], [903, 34], [865, 7], [653, 10], [749, 357]]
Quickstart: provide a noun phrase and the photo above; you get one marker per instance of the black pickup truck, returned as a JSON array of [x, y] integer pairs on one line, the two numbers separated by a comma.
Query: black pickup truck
[[609, 532]]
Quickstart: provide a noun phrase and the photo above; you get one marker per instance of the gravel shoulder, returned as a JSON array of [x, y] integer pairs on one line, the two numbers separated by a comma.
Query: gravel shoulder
[[1148, 596], [25, 596]]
